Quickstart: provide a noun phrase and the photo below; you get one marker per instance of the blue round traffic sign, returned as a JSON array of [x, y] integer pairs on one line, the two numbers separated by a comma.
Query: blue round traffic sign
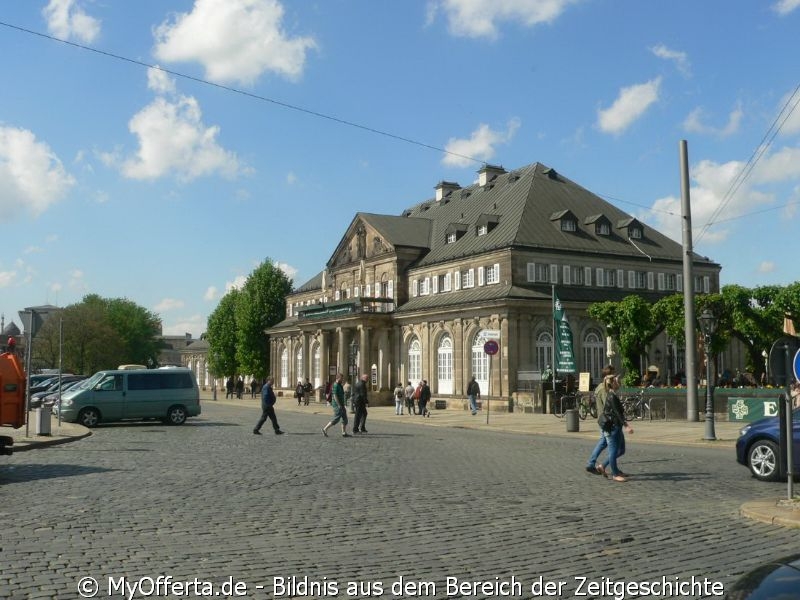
[[796, 365], [491, 347]]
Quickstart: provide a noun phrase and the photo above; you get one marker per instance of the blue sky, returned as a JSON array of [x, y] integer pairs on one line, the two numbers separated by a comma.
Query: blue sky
[[127, 181]]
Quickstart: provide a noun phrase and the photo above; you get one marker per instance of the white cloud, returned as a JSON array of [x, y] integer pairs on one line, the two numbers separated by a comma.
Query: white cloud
[[193, 324], [173, 138], [480, 145], [31, 175], [694, 123], [629, 106], [711, 183], [480, 18], [66, 19], [680, 59], [168, 304], [237, 283], [790, 102], [7, 278], [291, 178], [160, 81], [212, 293], [33, 250], [784, 7], [766, 266], [288, 269], [234, 40]]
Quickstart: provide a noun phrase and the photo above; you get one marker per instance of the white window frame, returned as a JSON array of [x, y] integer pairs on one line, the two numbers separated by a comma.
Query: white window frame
[[483, 229], [415, 361], [481, 276], [444, 365], [468, 281], [493, 274]]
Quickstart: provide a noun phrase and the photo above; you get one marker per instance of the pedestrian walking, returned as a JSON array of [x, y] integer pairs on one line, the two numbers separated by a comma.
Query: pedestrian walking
[[298, 392], [473, 393], [253, 387], [267, 408], [399, 398], [307, 389], [424, 397], [229, 388], [600, 395], [360, 404], [339, 408], [410, 399], [614, 414], [239, 388]]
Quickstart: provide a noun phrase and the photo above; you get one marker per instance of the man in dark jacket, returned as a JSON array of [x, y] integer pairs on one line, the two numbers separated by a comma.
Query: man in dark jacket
[[267, 409], [359, 399], [424, 398]]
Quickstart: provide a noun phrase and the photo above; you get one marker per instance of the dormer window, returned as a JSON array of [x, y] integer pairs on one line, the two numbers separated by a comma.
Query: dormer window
[[602, 226], [567, 221], [454, 232], [486, 223], [635, 233], [632, 228]]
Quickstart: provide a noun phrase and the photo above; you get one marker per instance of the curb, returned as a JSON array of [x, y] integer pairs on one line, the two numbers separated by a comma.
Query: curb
[[24, 446], [770, 512]]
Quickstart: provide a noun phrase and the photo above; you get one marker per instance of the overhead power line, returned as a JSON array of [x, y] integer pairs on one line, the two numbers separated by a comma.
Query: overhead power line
[[227, 88]]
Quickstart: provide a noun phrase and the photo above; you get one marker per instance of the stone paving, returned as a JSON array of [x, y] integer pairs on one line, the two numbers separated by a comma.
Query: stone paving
[[209, 500]]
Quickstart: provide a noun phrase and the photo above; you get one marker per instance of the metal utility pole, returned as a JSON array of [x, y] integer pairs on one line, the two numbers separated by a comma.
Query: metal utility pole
[[688, 289]]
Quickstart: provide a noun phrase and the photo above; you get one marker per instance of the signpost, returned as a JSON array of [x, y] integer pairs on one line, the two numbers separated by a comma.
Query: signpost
[[491, 348]]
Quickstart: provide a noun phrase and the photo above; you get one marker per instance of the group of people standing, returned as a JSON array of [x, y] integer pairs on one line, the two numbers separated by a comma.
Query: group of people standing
[[359, 400], [413, 399]]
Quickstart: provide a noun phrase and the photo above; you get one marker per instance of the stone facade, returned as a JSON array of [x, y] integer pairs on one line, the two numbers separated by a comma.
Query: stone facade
[[416, 296]]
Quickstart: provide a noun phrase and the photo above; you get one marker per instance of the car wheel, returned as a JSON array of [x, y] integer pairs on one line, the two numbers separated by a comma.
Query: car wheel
[[89, 417], [176, 415], [762, 458]]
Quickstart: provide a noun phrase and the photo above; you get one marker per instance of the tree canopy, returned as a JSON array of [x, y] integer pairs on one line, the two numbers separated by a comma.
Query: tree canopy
[[236, 329], [98, 333]]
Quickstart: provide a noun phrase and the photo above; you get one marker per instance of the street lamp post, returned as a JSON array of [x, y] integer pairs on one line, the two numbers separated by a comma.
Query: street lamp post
[[708, 325]]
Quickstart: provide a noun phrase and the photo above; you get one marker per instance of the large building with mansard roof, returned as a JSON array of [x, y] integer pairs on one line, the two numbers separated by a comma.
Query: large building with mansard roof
[[417, 294]]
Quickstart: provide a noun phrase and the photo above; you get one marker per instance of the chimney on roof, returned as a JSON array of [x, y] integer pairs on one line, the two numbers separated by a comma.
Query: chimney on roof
[[444, 188], [488, 173]]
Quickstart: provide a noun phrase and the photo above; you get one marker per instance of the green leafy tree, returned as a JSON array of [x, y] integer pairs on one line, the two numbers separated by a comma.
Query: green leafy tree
[[261, 304], [138, 330], [630, 323], [221, 335]]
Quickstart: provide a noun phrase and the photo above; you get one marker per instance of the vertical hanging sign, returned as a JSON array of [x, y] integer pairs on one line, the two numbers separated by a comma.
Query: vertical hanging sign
[[565, 358]]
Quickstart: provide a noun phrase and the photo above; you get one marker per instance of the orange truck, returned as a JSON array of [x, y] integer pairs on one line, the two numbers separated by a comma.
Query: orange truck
[[12, 397]]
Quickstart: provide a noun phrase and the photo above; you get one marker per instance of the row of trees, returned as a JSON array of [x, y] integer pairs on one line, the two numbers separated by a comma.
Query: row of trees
[[236, 339], [754, 316], [98, 333]]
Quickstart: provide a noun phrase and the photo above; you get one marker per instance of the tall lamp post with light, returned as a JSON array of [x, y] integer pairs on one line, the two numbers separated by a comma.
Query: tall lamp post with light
[[708, 325]]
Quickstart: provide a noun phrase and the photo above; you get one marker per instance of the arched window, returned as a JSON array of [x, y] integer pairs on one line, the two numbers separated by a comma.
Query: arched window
[[594, 353], [285, 368], [544, 350], [445, 366], [415, 361], [480, 363], [316, 374], [299, 363]]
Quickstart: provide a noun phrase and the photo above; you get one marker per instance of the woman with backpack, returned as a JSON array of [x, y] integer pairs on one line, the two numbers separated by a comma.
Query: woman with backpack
[[399, 398], [612, 422]]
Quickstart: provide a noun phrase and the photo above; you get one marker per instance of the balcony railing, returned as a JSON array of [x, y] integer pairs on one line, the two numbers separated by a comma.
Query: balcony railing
[[340, 308]]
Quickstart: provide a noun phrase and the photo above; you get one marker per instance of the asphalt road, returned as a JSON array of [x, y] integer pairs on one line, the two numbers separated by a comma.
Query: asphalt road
[[224, 512]]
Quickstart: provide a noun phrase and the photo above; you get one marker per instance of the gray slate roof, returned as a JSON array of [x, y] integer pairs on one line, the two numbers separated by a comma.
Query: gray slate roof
[[524, 202]]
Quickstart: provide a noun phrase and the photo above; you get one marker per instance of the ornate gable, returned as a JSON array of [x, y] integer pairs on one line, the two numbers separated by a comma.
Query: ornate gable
[[361, 242]]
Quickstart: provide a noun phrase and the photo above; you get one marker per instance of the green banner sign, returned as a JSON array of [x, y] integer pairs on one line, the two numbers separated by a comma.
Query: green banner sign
[[565, 357], [751, 409]]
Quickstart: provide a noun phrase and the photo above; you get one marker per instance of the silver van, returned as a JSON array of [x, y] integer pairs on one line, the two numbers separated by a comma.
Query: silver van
[[171, 395]]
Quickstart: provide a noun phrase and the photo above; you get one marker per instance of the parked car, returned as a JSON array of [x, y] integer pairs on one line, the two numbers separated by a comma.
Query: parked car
[[50, 397], [37, 397], [757, 446], [775, 580]]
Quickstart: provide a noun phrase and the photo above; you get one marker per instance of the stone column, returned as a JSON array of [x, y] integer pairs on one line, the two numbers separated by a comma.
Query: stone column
[[324, 365], [505, 346], [461, 367], [306, 356], [342, 356]]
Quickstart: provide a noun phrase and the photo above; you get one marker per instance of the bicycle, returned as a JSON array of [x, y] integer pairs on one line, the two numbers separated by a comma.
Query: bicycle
[[564, 403], [637, 406], [587, 405]]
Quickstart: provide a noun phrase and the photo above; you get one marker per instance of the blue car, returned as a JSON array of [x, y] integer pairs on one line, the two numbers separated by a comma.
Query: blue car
[[757, 447]]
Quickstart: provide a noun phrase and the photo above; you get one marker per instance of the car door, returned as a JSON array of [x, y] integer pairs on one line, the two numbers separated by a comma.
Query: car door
[[109, 396]]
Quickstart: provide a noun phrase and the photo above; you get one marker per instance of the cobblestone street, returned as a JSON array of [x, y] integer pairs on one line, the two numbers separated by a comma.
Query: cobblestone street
[[210, 500]]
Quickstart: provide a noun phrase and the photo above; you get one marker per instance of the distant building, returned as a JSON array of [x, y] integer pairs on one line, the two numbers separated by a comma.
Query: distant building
[[418, 294]]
